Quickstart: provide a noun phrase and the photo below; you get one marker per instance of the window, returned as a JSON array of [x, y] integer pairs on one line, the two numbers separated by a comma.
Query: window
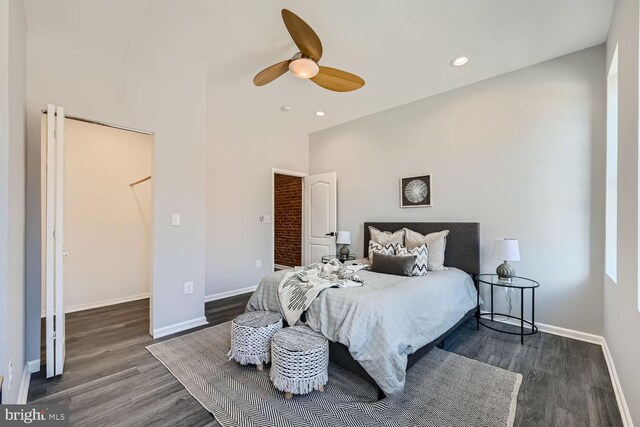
[[611, 226]]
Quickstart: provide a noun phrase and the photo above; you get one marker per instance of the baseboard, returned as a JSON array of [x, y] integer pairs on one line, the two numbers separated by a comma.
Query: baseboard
[[33, 366], [179, 327], [23, 393], [557, 330], [617, 388], [281, 267], [570, 333], [82, 307], [227, 294]]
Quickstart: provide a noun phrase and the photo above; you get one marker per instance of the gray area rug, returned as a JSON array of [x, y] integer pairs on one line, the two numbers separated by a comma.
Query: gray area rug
[[442, 389]]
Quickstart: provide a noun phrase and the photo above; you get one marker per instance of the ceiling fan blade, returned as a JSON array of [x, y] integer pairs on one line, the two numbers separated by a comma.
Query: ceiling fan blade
[[303, 35], [271, 73], [337, 80]]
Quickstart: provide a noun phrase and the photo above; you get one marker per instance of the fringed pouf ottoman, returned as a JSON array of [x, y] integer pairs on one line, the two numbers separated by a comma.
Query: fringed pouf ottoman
[[251, 337], [299, 361]]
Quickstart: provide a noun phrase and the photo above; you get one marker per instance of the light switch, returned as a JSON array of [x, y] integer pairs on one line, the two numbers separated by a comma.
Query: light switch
[[175, 219]]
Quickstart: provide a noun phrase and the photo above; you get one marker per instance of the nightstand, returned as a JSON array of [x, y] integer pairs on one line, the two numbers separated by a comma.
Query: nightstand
[[518, 283], [327, 258]]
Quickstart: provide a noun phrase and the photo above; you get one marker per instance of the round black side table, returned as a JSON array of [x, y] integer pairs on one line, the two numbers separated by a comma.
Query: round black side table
[[521, 283]]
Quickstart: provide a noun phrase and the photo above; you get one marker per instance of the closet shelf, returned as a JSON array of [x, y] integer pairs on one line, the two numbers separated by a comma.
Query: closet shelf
[[147, 178]]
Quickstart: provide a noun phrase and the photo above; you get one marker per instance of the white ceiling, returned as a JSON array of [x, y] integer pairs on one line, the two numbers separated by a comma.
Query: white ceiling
[[401, 48]]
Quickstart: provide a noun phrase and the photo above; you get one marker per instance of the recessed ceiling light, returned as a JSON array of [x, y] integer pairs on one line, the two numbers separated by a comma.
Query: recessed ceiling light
[[320, 113], [285, 108], [459, 61]]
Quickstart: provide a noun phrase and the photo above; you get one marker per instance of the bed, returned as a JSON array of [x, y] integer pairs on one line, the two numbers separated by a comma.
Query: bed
[[381, 329]]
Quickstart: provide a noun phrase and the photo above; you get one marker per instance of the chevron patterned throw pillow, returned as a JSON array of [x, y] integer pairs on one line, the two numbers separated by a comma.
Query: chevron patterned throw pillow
[[422, 253], [388, 249]]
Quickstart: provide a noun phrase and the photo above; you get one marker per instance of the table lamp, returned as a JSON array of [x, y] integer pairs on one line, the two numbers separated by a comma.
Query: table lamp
[[506, 250], [344, 239]]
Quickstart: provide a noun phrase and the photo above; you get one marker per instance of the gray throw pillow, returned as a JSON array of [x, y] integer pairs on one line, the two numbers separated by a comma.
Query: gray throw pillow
[[400, 265]]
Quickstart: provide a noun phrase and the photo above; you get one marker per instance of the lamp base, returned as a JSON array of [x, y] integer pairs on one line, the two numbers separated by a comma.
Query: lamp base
[[344, 251], [506, 272]]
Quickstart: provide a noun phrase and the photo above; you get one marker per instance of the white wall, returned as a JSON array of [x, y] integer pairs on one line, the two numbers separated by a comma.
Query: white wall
[[167, 99], [12, 198], [108, 223], [520, 153], [621, 317], [241, 151]]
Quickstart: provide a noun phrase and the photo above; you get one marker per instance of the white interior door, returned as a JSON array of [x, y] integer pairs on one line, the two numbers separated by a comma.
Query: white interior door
[[321, 213], [54, 253]]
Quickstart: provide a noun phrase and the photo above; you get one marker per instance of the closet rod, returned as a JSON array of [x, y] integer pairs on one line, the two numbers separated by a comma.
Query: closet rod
[[95, 122], [140, 181]]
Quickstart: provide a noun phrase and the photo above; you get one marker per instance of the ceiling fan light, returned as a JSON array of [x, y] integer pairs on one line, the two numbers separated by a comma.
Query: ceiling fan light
[[304, 68]]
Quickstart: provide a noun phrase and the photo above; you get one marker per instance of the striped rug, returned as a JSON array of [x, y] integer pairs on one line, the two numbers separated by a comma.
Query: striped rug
[[442, 389]]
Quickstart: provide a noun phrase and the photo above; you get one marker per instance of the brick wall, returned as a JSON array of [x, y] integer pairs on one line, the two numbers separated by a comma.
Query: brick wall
[[288, 220]]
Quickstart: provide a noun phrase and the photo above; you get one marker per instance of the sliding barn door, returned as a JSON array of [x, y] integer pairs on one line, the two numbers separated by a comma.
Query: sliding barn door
[[320, 216], [54, 252]]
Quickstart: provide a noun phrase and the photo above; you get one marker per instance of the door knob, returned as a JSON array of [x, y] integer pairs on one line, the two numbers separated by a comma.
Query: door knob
[[333, 233]]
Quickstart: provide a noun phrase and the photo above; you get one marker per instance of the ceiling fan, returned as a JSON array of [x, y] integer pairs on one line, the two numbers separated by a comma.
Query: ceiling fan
[[304, 64]]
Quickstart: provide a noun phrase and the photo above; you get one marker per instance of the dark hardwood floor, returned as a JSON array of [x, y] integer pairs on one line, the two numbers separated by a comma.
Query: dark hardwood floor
[[111, 379]]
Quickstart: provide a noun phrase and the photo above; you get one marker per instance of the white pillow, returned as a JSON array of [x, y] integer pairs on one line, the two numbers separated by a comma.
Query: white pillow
[[388, 249], [385, 237], [436, 242], [422, 259]]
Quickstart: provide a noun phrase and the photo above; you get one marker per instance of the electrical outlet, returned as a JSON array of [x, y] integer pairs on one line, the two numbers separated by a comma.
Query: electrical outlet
[[258, 263], [175, 219], [265, 219], [188, 288]]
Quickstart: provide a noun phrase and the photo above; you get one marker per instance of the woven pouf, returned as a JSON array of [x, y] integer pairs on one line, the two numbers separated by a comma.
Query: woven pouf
[[299, 361], [251, 337]]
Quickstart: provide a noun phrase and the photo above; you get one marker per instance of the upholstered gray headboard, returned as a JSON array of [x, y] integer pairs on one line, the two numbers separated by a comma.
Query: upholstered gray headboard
[[463, 242]]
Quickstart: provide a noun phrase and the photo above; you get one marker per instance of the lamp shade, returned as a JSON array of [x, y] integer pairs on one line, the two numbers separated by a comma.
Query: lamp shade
[[344, 238], [506, 250]]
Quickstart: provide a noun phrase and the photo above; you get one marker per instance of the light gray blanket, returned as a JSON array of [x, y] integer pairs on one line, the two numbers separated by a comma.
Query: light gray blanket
[[384, 320]]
